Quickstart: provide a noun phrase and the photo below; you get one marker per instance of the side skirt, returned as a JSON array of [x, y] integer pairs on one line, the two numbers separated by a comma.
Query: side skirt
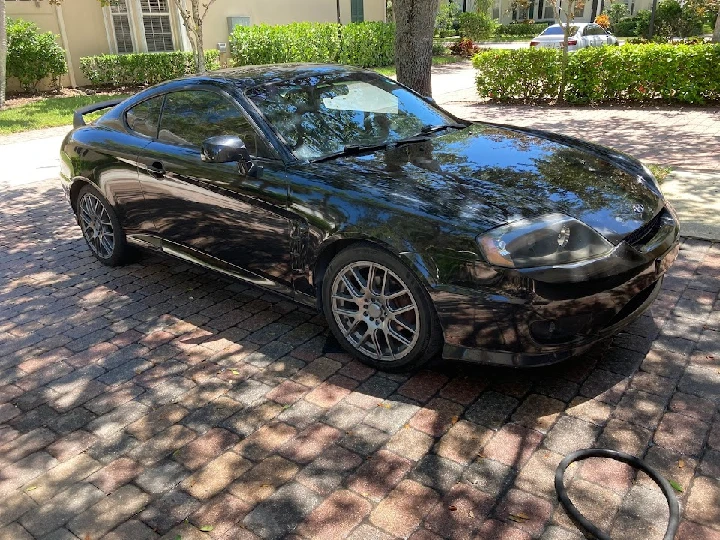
[[217, 265]]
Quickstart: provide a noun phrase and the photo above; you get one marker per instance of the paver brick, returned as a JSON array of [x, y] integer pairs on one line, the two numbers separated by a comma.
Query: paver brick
[[115, 474], [71, 445], [162, 445], [404, 508], [215, 476], [109, 512], [62, 477], [379, 474], [335, 517], [261, 481], [206, 447], [310, 443], [281, 513], [681, 433], [491, 409], [61, 508], [221, 513], [702, 504], [172, 508], [134, 529], [14, 531], [156, 421], [512, 445], [327, 472], [14, 506]]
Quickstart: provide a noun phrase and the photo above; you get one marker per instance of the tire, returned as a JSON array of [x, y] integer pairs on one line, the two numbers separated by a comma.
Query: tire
[[100, 227], [391, 325]]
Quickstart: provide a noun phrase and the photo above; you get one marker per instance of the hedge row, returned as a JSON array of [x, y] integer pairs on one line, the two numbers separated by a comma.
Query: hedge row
[[366, 44], [520, 29], [142, 68], [677, 73]]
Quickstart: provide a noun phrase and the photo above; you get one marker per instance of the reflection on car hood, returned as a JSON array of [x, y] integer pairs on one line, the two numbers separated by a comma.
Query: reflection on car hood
[[485, 175]]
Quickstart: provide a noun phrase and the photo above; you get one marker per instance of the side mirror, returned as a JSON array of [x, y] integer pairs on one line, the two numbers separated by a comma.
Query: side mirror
[[224, 149]]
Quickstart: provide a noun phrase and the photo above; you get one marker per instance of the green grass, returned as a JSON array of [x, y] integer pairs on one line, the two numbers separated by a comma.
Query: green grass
[[389, 71], [44, 113], [660, 172]]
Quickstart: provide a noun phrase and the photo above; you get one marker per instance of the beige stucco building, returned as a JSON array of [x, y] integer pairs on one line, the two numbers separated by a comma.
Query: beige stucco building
[[507, 11], [85, 28]]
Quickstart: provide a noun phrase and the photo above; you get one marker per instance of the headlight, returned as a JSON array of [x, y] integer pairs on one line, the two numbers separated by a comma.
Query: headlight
[[545, 241]]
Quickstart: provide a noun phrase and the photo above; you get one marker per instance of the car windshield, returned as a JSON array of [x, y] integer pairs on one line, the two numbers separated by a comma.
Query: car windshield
[[556, 30], [324, 115]]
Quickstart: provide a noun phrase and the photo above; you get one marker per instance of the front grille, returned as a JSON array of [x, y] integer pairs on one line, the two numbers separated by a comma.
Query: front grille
[[642, 235]]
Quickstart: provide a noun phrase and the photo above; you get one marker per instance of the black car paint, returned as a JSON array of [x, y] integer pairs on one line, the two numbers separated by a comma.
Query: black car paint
[[426, 202]]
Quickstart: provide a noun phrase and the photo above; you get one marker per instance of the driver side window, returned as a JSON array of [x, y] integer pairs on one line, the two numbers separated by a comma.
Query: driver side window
[[191, 116]]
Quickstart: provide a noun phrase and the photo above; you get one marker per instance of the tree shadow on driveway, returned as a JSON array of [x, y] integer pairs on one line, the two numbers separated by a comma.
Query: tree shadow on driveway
[[159, 392]]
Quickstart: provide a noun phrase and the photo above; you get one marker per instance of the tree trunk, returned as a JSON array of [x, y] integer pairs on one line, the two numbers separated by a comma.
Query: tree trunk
[[414, 24], [200, 49], [337, 2], [716, 31], [3, 52], [594, 11]]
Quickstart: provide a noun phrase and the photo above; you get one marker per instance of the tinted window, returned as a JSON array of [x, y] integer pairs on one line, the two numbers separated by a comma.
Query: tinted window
[[320, 116], [143, 117], [556, 30], [190, 117]]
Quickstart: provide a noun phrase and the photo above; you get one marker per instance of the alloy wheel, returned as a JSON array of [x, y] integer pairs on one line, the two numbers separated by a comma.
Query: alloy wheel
[[375, 311], [96, 226]]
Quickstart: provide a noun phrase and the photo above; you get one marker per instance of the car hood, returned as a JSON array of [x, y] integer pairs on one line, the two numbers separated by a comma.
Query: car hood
[[486, 175]]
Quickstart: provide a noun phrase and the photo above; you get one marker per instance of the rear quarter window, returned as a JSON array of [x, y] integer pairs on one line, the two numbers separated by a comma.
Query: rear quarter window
[[143, 118]]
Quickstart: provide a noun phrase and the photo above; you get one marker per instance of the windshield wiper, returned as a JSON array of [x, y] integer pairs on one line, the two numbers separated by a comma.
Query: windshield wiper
[[429, 128], [351, 150]]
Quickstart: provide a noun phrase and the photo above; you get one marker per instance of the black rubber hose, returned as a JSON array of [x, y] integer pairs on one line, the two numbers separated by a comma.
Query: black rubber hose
[[583, 522]]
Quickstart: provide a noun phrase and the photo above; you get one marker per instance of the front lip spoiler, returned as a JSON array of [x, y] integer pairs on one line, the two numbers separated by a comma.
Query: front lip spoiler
[[511, 359]]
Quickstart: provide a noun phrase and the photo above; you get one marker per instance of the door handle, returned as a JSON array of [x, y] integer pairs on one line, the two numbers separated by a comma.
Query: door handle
[[156, 169]]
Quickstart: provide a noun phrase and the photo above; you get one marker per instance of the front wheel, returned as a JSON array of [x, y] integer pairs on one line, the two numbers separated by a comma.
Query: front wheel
[[100, 227], [378, 310]]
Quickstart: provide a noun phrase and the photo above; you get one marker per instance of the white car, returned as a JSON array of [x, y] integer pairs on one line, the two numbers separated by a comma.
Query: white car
[[581, 35]]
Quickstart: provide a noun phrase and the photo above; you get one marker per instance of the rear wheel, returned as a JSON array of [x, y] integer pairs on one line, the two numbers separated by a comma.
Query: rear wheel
[[378, 310], [100, 227]]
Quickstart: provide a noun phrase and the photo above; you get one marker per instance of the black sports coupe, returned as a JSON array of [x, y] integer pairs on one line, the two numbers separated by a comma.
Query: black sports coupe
[[413, 231]]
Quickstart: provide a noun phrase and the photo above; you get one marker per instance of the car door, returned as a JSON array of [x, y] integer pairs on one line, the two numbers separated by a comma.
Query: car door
[[211, 208], [116, 173]]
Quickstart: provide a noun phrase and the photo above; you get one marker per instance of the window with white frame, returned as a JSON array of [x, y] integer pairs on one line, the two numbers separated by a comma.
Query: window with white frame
[[156, 24], [496, 10], [549, 11], [121, 26]]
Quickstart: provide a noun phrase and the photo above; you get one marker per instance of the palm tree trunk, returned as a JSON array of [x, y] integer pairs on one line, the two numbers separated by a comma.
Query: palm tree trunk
[[716, 31]]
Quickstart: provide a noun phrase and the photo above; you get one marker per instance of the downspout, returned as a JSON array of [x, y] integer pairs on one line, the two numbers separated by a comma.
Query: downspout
[[65, 45]]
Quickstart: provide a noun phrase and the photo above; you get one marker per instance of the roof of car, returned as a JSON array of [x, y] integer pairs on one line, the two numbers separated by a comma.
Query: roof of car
[[579, 24], [249, 76]]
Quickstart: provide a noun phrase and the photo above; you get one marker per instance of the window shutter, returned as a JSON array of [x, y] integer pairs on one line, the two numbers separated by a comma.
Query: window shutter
[[357, 11]]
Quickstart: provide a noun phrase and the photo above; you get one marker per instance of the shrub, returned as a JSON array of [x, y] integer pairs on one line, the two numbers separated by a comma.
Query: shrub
[[476, 26], [464, 47], [626, 27], [142, 68], [31, 55], [531, 75], [675, 19], [616, 12], [448, 18], [677, 73], [521, 29], [439, 48], [603, 20], [367, 44]]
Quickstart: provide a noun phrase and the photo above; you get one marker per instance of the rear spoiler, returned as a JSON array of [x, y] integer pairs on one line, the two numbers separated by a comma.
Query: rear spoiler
[[79, 121]]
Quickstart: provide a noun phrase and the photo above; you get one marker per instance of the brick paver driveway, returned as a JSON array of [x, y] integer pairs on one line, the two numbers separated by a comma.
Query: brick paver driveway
[[157, 399]]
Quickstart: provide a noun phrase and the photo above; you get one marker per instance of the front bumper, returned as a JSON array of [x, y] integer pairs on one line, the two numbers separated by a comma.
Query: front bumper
[[562, 311]]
